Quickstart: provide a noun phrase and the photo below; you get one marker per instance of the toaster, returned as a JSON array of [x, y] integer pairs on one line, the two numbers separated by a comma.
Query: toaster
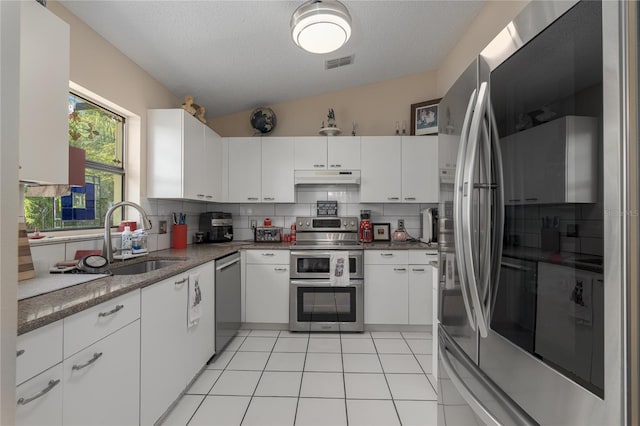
[[267, 234]]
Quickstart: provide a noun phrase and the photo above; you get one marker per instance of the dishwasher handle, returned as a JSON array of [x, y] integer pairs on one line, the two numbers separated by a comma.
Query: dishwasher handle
[[227, 264]]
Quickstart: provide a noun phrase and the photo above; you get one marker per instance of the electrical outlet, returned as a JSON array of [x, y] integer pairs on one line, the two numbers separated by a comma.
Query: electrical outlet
[[162, 227], [400, 224], [572, 230], [253, 223]]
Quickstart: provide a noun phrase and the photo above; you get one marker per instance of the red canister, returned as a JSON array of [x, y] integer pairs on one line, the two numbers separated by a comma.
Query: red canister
[[293, 233], [267, 221]]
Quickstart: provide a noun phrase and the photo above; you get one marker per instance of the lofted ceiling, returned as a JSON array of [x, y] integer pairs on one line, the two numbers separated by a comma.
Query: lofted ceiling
[[236, 55]]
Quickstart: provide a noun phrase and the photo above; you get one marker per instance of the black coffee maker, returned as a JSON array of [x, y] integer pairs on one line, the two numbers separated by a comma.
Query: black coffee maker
[[217, 227]]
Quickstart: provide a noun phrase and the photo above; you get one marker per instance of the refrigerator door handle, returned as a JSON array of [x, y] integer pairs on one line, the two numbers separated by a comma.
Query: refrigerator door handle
[[473, 274], [457, 213], [448, 350], [498, 211]]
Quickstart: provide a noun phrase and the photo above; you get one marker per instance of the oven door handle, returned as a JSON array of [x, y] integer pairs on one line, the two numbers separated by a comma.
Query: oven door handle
[[324, 283], [323, 253]]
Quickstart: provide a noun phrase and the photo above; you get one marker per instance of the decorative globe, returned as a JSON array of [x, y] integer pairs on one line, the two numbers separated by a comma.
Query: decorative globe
[[263, 120]]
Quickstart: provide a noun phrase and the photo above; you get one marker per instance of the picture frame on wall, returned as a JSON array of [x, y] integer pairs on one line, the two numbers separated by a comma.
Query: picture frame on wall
[[381, 231], [424, 117]]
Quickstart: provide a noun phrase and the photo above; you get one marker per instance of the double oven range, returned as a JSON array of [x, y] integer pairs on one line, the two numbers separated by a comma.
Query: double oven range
[[316, 302]]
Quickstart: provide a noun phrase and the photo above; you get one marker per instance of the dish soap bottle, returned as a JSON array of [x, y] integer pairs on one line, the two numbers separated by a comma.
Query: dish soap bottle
[[126, 241]]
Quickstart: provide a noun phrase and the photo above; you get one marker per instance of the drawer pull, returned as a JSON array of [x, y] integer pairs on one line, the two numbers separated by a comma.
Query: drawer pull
[[52, 384], [393, 198], [318, 165], [280, 269], [418, 269], [386, 254], [269, 198], [200, 195], [400, 269], [88, 363], [209, 196], [252, 198], [111, 312], [410, 198], [19, 352], [267, 254], [182, 281]]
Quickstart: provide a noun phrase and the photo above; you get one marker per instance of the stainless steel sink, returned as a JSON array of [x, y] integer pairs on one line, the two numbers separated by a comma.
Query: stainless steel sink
[[142, 267]]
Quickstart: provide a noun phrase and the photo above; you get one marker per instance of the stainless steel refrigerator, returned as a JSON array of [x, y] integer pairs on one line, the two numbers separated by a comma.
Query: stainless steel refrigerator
[[532, 231]]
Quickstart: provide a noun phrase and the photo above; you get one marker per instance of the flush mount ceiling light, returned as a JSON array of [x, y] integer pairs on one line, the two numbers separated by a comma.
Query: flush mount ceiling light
[[321, 26]]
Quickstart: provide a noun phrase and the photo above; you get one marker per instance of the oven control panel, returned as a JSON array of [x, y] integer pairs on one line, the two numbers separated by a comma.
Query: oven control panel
[[315, 224]]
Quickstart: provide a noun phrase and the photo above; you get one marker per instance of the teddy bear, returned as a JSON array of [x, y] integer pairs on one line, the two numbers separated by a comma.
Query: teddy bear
[[198, 111]]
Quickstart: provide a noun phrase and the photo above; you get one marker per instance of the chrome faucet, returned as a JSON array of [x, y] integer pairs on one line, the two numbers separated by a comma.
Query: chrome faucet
[[107, 250]]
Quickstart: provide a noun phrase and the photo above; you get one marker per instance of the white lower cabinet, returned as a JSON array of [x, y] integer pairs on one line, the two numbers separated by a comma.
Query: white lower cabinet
[[201, 335], [101, 383], [385, 294], [267, 286], [39, 400], [420, 294]]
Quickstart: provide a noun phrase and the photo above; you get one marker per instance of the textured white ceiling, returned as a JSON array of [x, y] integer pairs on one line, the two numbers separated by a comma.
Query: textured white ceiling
[[237, 55]]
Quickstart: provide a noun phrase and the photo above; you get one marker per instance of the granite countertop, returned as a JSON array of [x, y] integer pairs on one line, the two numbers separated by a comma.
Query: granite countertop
[[38, 311]]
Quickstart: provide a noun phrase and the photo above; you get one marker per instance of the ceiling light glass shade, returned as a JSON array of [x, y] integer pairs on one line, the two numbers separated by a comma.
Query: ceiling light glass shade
[[321, 26]]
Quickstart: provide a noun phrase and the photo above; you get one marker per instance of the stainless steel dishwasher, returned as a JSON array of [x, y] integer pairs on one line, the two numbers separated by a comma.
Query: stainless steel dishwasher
[[228, 295]]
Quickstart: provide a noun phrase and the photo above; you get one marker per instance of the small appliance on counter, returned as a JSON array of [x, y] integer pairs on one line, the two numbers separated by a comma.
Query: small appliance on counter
[[429, 225], [366, 230], [267, 234], [216, 226]]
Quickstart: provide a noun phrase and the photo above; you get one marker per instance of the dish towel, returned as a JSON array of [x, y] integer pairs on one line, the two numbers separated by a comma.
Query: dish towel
[[339, 268], [195, 300]]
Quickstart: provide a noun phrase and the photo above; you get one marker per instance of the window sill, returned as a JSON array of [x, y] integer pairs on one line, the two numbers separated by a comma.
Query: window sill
[[58, 237]]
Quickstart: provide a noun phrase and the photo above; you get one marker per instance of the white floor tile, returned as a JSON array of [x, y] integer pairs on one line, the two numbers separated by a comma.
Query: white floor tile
[[249, 361], [433, 381], [386, 335], [294, 334], [411, 386], [234, 343], [243, 332], [241, 383], [260, 344], [264, 333], [321, 412], [366, 386], [361, 363], [392, 346], [371, 413], [323, 362], [220, 411], [460, 415], [418, 413], [321, 335], [266, 411], [358, 346], [221, 360], [324, 345], [322, 385], [363, 335], [204, 382], [426, 362], [282, 361], [417, 335], [422, 347], [183, 410], [289, 344], [392, 363], [279, 383]]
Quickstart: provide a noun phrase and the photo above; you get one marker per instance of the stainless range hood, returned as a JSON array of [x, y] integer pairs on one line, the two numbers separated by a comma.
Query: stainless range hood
[[327, 177]]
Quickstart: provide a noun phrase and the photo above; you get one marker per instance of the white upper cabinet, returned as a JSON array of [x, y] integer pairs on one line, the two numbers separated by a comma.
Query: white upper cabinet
[[44, 94], [181, 161], [381, 169], [327, 153], [420, 181], [277, 170], [245, 170]]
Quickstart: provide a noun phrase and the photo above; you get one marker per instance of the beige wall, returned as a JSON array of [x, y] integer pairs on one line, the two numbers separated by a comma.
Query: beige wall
[[100, 68], [375, 107]]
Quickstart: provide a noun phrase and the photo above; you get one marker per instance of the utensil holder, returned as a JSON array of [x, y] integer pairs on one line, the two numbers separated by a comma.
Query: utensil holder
[[179, 237]]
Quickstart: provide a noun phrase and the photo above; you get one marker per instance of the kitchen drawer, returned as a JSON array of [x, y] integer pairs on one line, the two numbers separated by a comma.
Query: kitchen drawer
[[38, 350], [91, 325], [40, 399], [268, 257], [422, 257], [386, 257]]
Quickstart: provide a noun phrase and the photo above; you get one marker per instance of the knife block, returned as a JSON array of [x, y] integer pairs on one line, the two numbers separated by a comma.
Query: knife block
[[550, 239]]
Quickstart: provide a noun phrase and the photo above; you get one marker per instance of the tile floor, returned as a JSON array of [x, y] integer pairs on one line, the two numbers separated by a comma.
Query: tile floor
[[270, 377]]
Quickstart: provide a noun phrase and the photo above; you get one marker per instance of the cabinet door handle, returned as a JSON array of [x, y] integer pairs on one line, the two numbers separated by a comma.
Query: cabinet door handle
[[280, 269], [111, 312], [93, 359], [410, 198], [209, 196], [318, 165], [269, 198], [400, 269], [386, 254], [417, 269], [267, 254], [252, 198], [200, 195], [338, 165], [19, 352], [52, 384], [182, 281], [515, 199], [393, 198], [531, 199]]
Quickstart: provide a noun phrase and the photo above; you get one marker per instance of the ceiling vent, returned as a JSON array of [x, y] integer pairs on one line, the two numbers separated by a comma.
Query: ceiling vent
[[340, 62]]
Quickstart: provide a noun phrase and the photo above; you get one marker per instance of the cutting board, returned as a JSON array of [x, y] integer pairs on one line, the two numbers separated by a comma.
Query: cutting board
[[25, 263]]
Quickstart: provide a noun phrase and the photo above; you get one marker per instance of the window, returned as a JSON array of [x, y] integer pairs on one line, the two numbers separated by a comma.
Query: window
[[100, 133]]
